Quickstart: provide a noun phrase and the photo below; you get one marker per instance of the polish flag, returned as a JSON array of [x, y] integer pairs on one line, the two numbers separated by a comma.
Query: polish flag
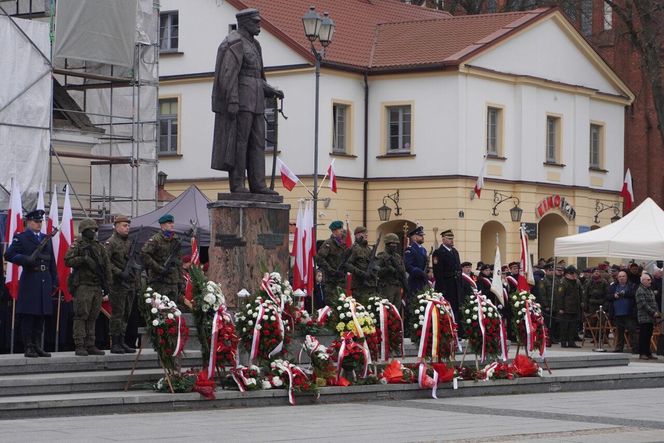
[[627, 191], [526, 278], [309, 248], [66, 240], [40, 205], [14, 226], [333, 177], [53, 223], [195, 260], [288, 177], [297, 251], [349, 239], [480, 180], [304, 249]]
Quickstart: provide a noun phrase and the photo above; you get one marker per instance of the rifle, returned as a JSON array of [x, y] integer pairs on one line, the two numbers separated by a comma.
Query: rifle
[[32, 258], [99, 272], [170, 260], [372, 257], [132, 264]]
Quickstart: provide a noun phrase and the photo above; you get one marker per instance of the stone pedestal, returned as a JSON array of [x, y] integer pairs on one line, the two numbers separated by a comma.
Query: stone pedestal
[[248, 233]]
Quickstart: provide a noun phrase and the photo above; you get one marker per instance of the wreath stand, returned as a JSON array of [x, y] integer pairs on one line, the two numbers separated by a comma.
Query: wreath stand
[[138, 355], [525, 351]]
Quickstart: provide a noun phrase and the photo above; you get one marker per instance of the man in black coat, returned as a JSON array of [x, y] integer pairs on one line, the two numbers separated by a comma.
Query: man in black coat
[[447, 271], [38, 282]]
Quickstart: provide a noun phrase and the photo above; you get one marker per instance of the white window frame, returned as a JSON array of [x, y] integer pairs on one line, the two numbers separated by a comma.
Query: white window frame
[[166, 39], [404, 141], [171, 120], [553, 139]]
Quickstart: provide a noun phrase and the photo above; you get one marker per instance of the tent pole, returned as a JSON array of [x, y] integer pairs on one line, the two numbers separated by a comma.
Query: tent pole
[[553, 287]]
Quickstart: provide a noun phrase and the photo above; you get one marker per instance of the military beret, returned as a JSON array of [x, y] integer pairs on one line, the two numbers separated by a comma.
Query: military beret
[[447, 233], [548, 265], [359, 230], [485, 267], [466, 263], [166, 218], [36, 215], [337, 224], [391, 238], [514, 263], [121, 219], [247, 13], [571, 270], [418, 230]]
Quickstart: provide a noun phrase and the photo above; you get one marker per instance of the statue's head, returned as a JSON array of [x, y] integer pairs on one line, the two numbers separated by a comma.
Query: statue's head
[[249, 20]]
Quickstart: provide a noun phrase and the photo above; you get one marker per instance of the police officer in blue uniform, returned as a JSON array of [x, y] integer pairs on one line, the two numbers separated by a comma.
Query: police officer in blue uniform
[[416, 260], [39, 281]]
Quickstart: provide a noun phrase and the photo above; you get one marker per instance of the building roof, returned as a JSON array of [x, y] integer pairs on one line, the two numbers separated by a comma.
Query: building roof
[[388, 35]]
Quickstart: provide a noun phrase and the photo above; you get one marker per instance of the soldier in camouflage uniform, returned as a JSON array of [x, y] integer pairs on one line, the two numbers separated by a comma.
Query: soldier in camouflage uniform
[[544, 289], [568, 307], [331, 256], [391, 271], [91, 275], [364, 282], [124, 285], [162, 259]]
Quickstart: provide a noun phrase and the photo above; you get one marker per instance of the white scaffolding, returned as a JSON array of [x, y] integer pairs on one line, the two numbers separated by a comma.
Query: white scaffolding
[[115, 106]]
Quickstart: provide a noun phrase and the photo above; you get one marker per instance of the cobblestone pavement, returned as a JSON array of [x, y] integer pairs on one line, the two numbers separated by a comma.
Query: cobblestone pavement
[[598, 416]]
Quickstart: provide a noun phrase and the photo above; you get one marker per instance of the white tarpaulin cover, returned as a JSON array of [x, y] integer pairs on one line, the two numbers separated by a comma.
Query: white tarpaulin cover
[[638, 235], [96, 30], [25, 106]]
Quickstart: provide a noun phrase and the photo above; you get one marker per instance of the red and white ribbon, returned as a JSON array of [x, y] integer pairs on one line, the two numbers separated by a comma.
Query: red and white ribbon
[[385, 337], [486, 370], [323, 314], [360, 333], [529, 327], [280, 346], [212, 362], [255, 341], [179, 346], [503, 339], [480, 319], [347, 342], [428, 330], [469, 280], [239, 378], [422, 372]]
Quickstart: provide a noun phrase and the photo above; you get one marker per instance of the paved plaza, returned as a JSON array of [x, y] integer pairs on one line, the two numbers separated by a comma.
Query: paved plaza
[[599, 416]]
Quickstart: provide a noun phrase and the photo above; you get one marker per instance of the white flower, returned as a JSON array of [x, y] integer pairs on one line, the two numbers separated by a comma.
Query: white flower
[[523, 297], [474, 317], [342, 315], [244, 329], [155, 322], [518, 321], [266, 317], [417, 311], [148, 300], [254, 315], [250, 323], [339, 308], [514, 297], [149, 289], [258, 327], [421, 317], [273, 318], [467, 311], [346, 305], [474, 308], [251, 381], [170, 316], [154, 310], [416, 325], [178, 313], [468, 321], [276, 381], [265, 384], [490, 309]]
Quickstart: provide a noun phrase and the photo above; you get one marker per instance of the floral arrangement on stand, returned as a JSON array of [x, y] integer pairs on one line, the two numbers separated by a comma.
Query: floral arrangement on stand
[[484, 328], [528, 322], [351, 357], [389, 328], [262, 330], [323, 369], [434, 329], [168, 330], [216, 330], [283, 373]]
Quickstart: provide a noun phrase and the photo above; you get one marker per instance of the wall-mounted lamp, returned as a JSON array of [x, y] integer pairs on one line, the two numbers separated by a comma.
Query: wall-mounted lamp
[[161, 179], [601, 207], [515, 212], [385, 211]]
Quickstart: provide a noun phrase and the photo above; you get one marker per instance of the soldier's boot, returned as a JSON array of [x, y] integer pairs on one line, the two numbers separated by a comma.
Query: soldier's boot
[[81, 352], [116, 347], [128, 349], [38, 349], [93, 350], [29, 348]]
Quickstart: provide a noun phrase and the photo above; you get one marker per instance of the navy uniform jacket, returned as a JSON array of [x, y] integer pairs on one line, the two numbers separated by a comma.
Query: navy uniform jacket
[[416, 260], [447, 271], [37, 282]]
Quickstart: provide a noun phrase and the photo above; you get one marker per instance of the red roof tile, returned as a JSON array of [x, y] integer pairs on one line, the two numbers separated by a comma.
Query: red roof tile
[[387, 34]]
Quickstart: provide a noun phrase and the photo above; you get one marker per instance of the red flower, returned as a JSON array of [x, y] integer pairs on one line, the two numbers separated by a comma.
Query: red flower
[[160, 331]]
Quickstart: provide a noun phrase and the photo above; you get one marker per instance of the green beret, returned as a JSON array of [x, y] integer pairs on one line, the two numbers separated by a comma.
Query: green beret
[[337, 224], [391, 238], [359, 230], [166, 218]]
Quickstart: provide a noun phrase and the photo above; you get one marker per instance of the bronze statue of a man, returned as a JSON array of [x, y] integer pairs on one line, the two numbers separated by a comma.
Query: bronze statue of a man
[[238, 101]]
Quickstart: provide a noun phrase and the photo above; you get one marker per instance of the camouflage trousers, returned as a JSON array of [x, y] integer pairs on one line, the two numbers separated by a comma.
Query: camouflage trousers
[[87, 304], [121, 300], [392, 292]]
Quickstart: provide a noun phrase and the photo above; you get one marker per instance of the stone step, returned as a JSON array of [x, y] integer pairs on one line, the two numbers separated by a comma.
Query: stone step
[[638, 375]]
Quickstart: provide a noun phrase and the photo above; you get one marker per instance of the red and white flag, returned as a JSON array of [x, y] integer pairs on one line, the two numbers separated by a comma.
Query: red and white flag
[[480, 181], [627, 191], [349, 238], [66, 240], [303, 249], [195, 260], [14, 226], [288, 177], [40, 205], [53, 222], [526, 278], [333, 177]]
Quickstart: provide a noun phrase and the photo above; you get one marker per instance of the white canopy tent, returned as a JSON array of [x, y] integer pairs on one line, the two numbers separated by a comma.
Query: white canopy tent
[[638, 235]]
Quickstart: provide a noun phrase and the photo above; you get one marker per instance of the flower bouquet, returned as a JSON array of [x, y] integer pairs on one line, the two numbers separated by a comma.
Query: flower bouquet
[[525, 366], [262, 330], [528, 324], [215, 326], [389, 328], [484, 328], [168, 330], [320, 360], [497, 371], [434, 329], [396, 372], [180, 383], [351, 357], [283, 373], [347, 315], [245, 378]]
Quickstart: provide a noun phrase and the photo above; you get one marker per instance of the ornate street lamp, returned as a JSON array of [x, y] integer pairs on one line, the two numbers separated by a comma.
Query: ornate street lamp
[[385, 211], [515, 212]]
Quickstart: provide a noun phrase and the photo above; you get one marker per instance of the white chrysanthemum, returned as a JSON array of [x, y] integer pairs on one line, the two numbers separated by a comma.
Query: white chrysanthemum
[[254, 315], [474, 308], [155, 322], [170, 316], [154, 310], [178, 313], [265, 384], [250, 323], [417, 311], [467, 311], [514, 297], [346, 305], [468, 321], [474, 317]]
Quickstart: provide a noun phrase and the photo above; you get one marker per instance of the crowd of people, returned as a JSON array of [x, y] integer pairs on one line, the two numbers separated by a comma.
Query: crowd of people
[[625, 295]]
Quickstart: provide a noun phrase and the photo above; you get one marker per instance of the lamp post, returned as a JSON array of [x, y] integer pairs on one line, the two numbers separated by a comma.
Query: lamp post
[[515, 212], [321, 29]]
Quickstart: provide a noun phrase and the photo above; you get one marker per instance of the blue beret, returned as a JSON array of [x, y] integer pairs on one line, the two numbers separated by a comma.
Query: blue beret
[[166, 218], [337, 224]]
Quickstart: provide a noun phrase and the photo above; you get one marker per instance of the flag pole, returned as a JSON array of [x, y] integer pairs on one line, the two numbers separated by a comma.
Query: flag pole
[[11, 343], [57, 323]]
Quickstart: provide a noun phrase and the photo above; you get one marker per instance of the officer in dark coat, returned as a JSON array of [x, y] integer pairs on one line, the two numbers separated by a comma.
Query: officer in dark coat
[[447, 270], [415, 259], [39, 281]]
